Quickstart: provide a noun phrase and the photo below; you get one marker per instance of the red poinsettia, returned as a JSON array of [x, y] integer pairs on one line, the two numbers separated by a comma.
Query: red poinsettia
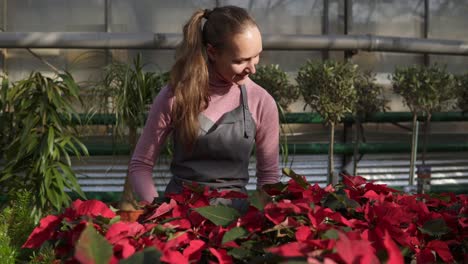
[[355, 221]]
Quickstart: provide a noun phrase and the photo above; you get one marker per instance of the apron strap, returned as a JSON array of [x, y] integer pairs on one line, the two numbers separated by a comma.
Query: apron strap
[[245, 110]]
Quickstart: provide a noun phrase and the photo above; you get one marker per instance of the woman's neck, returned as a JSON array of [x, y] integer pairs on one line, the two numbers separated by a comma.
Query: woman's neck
[[216, 81]]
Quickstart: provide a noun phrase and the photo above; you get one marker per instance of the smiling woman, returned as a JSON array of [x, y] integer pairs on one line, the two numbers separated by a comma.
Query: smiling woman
[[214, 111], [237, 62]]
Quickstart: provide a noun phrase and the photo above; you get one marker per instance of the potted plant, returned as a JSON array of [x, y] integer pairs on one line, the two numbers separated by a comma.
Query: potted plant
[[329, 88], [424, 90], [130, 90], [369, 101], [37, 157], [462, 92], [277, 84]]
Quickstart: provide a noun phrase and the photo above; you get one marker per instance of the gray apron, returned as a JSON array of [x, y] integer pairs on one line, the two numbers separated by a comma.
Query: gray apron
[[220, 156]]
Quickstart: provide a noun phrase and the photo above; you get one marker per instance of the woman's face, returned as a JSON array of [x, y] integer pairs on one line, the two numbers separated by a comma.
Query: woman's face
[[239, 56]]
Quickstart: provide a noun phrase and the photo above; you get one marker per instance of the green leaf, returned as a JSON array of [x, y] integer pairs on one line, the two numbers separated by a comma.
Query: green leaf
[[330, 234], [70, 84], [81, 146], [92, 247], [259, 199], [240, 253], [219, 214], [435, 227], [148, 255], [442, 197], [58, 179], [296, 177], [330, 201], [233, 234]]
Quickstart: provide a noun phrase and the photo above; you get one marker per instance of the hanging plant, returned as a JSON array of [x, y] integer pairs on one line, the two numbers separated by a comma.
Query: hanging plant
[[37, 158], [328, 88]]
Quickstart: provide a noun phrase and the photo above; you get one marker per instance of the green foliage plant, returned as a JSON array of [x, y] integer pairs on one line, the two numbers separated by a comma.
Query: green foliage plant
[[130, 90], [424, 90], [370, 100], [38, 157], [329, 89], [7, 252], [5, 123], [462, 92], [276, 82], [16, 223]]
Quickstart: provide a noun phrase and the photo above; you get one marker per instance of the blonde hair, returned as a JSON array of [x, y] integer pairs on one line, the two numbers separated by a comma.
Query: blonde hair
[[189, 75]]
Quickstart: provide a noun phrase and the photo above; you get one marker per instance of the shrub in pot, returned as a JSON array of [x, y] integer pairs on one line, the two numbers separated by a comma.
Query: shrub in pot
[[425, 90], [462, 92], [329, 88], [277, 84], [370, 100]]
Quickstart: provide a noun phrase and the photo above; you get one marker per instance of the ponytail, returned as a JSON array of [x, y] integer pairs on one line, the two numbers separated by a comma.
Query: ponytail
[[189, 81], [189, 75]]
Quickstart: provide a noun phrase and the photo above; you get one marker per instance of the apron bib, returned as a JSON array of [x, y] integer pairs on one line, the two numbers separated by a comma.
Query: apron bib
[[220, 156]]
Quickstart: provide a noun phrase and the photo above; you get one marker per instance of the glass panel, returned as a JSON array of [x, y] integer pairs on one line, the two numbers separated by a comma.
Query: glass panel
[[56, 15], [50, 16], [448, 21], [387, 18], [284, 17], [154, 16], [336, 17]]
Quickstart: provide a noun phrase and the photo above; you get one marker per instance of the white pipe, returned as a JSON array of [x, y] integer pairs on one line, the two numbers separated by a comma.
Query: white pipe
[[103, 40]]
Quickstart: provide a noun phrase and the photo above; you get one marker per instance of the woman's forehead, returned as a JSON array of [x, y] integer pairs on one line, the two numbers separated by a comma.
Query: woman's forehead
[[246, 44]]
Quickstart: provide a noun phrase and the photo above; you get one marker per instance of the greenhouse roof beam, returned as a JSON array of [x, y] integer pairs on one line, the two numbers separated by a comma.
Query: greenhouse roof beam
[[105, 40]]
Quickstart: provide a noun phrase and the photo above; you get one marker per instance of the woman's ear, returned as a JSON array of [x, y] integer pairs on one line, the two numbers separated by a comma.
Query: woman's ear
[[211, 52]]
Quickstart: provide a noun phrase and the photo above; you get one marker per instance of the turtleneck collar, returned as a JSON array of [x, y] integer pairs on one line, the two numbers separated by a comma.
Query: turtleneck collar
[[218, 83]]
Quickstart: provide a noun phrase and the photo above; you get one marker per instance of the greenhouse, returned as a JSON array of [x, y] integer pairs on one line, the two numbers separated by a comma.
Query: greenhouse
[[371, 100]]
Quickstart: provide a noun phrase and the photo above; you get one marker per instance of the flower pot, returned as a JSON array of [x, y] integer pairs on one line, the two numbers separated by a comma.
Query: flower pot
[[424, 178], [130, 216]]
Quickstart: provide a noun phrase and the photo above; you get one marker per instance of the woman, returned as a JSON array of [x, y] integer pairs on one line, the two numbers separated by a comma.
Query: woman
[[215, 112]]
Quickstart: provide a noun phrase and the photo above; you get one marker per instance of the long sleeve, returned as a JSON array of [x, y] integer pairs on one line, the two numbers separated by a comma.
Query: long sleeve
[[267, 141], [147, 150]]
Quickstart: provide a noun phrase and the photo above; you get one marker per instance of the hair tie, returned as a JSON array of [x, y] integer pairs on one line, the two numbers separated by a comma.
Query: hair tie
[[206, 14]]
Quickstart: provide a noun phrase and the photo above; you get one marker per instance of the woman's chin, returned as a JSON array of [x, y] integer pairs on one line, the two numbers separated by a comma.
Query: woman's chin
[[238, 79]]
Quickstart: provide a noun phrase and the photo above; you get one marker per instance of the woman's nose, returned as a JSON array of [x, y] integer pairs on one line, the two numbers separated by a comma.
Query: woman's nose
[[251, 68]]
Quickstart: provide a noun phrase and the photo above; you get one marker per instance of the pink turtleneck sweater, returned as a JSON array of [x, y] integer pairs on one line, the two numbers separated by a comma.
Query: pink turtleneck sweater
[[224, 97]]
